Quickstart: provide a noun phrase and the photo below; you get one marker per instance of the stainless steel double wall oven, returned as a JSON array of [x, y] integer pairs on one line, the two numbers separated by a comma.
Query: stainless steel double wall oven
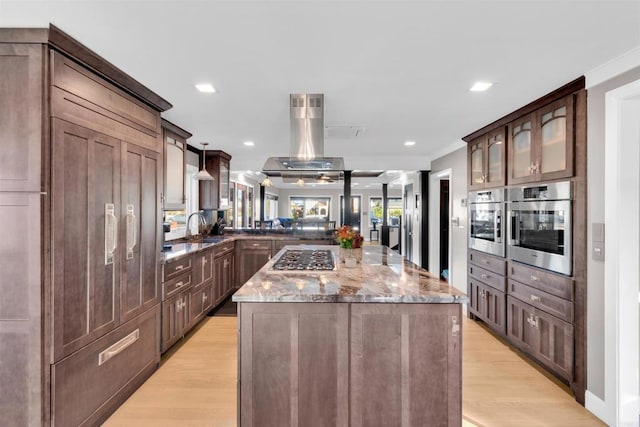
[[537, 219], [539, 226]]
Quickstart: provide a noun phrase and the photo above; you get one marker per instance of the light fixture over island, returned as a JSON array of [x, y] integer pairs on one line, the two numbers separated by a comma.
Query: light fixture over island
[[374, 345]]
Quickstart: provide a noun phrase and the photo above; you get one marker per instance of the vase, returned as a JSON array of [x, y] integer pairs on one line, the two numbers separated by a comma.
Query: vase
[[354, 254]]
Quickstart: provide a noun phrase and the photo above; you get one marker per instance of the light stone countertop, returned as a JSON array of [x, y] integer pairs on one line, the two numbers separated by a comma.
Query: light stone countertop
[[383, 276], [183, 249]]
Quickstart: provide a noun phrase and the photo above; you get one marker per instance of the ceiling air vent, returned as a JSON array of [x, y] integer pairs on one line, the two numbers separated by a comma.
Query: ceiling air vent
[[343, 131]]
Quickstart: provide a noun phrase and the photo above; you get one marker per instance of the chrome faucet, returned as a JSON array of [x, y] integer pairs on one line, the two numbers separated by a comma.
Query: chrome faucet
[[201, 222]]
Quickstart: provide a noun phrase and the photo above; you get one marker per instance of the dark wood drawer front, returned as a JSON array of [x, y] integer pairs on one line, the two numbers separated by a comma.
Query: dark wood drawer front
[[554, 305], [254, 244], [176, 285], [554, 284], [279, 244], [489, 262], [223, 248], [175, 268], [488, 277], [86, 385]]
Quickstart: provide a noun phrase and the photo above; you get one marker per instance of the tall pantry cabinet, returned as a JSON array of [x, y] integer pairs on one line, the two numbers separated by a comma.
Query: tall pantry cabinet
[[80, 199]]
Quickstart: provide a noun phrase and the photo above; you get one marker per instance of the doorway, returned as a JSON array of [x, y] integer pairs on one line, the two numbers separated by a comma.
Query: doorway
[[408, 221], [622, 255], [444, 229]]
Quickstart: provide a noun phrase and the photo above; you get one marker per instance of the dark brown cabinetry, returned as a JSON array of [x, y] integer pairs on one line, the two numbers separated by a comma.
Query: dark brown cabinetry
[[541, 315], [80, 166], [251, 256], [175, 155], [541, 144], [546, 338], [487, 289], [215, 194], [487, 160], [141, 171], [87, 260], [325, 364], [223, 266], [202, 270], [175, 318]]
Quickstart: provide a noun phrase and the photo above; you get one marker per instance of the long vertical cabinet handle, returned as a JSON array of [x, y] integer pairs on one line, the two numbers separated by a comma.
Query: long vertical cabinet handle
[[132, 233], [515, 228], [110, 232], [498, 227]]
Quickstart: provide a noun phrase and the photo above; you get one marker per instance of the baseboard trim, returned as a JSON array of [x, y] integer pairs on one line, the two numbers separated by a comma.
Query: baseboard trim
[[596, 406]]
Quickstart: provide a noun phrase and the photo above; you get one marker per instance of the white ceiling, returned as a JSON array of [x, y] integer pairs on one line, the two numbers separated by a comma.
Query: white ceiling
[[400, 69]]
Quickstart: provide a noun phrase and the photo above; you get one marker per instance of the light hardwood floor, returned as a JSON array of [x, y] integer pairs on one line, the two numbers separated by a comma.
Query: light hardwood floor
[[196, 385]]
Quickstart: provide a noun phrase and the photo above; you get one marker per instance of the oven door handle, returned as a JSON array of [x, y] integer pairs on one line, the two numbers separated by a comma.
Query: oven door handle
[[515, 228], [498, 226]]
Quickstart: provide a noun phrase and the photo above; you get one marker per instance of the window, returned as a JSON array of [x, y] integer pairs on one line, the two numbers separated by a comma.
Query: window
[[310, 207], [394, 210], [270, 206]]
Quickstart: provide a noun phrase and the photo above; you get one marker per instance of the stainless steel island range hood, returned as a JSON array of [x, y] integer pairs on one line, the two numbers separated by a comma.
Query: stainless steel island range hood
[[306, 153]]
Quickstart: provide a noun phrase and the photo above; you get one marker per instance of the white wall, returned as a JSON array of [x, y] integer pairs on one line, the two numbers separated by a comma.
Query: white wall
[[456, 164], [595, 214]]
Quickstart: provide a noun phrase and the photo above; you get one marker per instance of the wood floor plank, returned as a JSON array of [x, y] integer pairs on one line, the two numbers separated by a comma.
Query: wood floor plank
[[196, 385]]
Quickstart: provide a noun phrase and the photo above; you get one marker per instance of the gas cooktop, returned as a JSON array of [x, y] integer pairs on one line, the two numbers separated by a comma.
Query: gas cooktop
[[305, 260]]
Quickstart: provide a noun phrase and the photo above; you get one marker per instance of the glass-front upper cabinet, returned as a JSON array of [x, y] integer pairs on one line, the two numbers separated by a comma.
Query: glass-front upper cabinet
[[555, 123], [487, 160], [521, 150], [175, 154], [215, 195], [476, 163], [541, 144]]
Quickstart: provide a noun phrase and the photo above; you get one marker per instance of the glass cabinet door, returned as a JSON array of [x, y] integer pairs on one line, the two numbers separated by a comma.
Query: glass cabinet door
[[521, 151], [555, 128], [476, 162], [495, 159], [174, 173], [224, 184]]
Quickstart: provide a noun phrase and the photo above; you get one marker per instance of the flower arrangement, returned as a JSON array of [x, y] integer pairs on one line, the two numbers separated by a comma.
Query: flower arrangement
[[348, 238]]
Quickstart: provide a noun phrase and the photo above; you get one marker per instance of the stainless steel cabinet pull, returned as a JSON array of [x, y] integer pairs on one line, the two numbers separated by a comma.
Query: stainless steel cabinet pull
[[226, 263], [179, 267], [534, 279], [204, 297], [132, 232], [484, 276], [110, 232], [535, 298], [255, 244], [498, 227], [179, 284], [118, 347]]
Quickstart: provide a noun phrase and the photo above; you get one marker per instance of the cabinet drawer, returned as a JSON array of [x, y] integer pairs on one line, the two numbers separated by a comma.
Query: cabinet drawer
[[554, 305], [174, 268], [89, 385], [175, 285], [492, 263], [254, 244], [488, 277], [223, 248], [554, 284]]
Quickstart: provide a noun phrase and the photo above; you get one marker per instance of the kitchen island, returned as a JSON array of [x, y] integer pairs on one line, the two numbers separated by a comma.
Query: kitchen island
[[374, 345]]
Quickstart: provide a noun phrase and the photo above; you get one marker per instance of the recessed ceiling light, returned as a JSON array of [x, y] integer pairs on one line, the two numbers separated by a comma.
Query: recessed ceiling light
[[249, 143], [409, 143], [480, 86], [206, 88]]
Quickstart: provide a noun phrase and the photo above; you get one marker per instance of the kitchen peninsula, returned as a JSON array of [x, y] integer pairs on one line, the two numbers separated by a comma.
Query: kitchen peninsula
[[378, 344]]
